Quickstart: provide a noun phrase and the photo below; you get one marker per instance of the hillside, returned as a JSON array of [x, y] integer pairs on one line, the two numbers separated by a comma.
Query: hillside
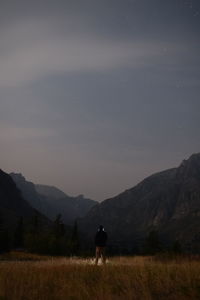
[[51, 201], [168, 202], [49, 191], [12, 204]]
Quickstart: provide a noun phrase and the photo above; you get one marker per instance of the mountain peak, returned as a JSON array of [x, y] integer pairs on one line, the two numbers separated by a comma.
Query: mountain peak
[[194, 158], [18, 176], [190, 168], [168, 201]]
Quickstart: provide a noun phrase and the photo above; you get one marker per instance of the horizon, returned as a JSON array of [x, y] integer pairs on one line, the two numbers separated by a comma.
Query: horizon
[[97, 95], [85, 196]]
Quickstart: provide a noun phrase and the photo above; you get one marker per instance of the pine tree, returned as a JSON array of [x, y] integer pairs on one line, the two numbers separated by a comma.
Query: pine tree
[[59, 228], [32, 240], [19, 234], [75, 245], [4, 238], [58, 239], [152, 243], [35, 225], [176, 247]]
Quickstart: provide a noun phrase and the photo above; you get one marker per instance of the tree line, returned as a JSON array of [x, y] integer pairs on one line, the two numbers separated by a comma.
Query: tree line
[[35, 237], [58, 239]]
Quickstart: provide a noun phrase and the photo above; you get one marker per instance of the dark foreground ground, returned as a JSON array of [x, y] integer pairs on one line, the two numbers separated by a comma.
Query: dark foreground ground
[[30, 277]]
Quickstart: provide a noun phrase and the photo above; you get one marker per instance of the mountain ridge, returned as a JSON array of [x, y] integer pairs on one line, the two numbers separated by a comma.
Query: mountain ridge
[[167, 201], [12, 203], [51, 201]]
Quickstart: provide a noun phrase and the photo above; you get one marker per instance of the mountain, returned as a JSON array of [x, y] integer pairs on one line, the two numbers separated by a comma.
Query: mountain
[[12, 204], [50, 191], [57, 202], [28, 191], [167, 202], [51, 201]]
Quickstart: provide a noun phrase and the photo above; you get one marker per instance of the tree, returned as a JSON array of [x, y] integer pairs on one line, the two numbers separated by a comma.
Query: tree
[[4, 238], [176, 247], [35, 225], [58, 242], [75, 245], [32, 238], [19, 234], [59, 227], [152, 243]]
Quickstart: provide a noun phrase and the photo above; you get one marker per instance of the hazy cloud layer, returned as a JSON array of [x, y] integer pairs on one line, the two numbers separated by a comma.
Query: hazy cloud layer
[[32, 51], [96, 95]]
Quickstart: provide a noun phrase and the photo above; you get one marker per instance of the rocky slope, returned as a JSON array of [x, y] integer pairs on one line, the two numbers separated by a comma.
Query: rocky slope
[[51, 201], [168, 202], [12, 204]]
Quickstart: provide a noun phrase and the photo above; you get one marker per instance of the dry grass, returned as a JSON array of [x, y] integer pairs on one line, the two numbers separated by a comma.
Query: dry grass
[[22, 256], [122, 278]]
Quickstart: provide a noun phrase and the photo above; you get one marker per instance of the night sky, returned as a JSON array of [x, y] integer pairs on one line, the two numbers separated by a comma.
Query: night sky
[[96, 95]]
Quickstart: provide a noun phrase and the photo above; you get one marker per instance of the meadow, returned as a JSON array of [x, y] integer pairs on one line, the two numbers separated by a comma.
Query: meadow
[[32, 277]]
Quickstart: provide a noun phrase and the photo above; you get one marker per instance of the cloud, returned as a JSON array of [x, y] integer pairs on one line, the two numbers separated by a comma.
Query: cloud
[[32, 51], [19, 134], [97, 94]]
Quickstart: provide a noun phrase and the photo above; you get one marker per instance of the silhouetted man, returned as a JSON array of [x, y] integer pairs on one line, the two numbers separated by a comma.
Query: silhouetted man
[[100, 243]]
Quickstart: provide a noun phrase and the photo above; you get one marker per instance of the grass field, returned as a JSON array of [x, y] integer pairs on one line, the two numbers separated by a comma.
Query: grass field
[[43, 278]]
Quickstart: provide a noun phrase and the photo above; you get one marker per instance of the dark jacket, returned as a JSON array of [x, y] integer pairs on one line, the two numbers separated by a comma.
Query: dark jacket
[[100, 238]]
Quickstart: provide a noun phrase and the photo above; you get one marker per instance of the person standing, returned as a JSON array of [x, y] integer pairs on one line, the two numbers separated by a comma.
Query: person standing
[[100, 243]]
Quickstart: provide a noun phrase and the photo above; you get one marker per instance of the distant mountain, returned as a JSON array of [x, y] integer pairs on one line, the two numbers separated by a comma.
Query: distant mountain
[[51, 201], [50, 191], [56, 202], [28, 191], [12, 203], [168, 202]]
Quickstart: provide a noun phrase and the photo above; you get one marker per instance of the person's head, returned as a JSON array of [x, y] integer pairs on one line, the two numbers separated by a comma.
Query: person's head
[[101, 228]]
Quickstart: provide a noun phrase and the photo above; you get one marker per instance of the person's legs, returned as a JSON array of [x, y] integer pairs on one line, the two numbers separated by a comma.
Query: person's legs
[[97, 255], [103, 256]]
